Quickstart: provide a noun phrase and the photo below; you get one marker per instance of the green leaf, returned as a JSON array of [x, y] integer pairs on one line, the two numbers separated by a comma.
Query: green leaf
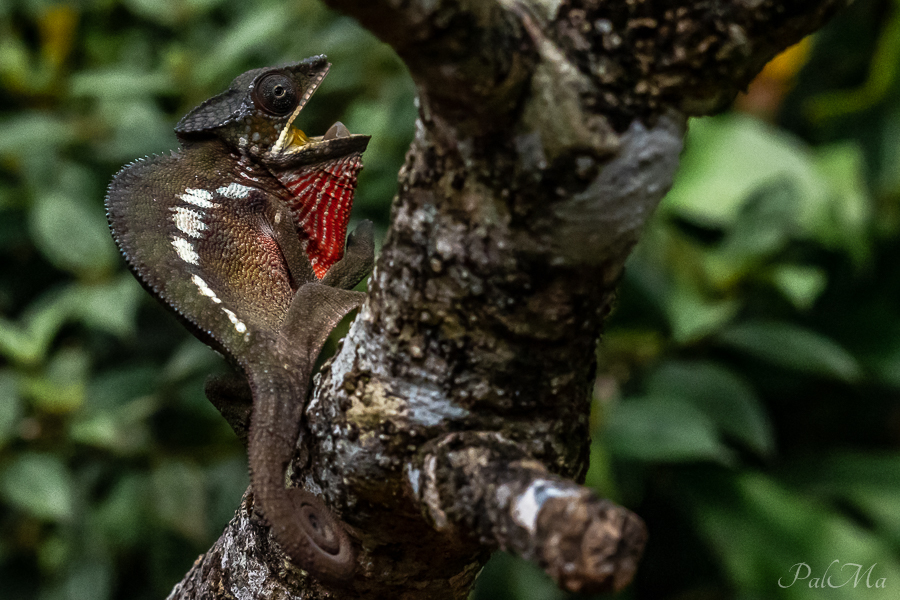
[[508, 577], [670, 271], [766, 221], [119, 82], [87, 577], [111, 390], [759, 531], [731, 159], [843, 220], [868, 481], [69, 229], [55, 552], [722, 396], [532, 582], [763, 229], [889, 177], [180, 498], [109, 307], [172, 13], [138, 128], [801, 285], [115, 416], [692, 315], [60, 388], [34, 133], [122, 516], [10, 406], [727, 159], [227, 480], [662, 430], [8, 200], [38, 484], [256, 28], [600, 475], [792, 347], [191, 358], [28, 340]]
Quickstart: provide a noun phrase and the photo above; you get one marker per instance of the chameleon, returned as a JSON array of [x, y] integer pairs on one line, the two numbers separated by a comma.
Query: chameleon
[[241, 232]]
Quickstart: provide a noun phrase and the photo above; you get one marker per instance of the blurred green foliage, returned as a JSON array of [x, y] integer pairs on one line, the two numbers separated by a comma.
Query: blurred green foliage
[[115, 472], [747, 396]]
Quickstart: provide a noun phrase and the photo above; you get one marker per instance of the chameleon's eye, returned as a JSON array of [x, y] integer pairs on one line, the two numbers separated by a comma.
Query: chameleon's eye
[[275, 93]]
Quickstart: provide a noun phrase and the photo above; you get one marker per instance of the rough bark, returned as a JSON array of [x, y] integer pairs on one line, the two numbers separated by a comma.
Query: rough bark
[[454, 416]]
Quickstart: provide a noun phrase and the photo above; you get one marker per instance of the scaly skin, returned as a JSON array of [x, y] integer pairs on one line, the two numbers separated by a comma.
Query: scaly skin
[[241, 233]]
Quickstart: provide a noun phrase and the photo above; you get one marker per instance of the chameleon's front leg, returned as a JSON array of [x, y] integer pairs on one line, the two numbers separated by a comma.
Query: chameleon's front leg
[[354, 266], [230, 394], [358, 259]]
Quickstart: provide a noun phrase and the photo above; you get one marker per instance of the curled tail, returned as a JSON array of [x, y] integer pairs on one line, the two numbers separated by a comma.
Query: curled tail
[[301, 523]]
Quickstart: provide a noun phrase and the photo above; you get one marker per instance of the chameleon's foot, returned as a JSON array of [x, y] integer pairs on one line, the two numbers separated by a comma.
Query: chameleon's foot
[[358, 259]]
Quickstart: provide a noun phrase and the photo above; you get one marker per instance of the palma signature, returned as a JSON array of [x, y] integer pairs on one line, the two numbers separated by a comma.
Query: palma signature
[[837, 578]]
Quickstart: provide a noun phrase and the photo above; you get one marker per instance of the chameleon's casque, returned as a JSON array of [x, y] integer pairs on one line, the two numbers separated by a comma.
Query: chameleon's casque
[[241, 233]]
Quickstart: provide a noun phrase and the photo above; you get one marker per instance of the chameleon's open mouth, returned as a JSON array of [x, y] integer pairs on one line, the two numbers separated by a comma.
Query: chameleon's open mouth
[[297, 138], [300, 148], [294, 148]]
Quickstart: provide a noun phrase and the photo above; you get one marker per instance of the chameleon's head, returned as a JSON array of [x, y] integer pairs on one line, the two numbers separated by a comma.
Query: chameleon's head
[[256, 113]]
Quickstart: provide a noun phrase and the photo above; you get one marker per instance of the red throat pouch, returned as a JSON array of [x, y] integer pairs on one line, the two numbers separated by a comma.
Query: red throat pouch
[[321, 199]]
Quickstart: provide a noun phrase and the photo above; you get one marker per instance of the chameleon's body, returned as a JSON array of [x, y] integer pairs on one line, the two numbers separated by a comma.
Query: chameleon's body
[[241, 233]]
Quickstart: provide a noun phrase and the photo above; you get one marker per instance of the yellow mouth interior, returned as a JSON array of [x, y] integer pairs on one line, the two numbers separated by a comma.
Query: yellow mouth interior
[[298, 138]]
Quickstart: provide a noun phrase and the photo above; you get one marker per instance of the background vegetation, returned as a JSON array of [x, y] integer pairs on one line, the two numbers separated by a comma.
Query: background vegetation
[[747, 396]]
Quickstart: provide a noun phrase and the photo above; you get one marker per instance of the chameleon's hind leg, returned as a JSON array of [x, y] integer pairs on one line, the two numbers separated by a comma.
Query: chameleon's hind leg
[[230, 394]]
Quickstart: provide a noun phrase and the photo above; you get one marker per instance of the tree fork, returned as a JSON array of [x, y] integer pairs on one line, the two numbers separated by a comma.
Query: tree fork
[[455, 412]]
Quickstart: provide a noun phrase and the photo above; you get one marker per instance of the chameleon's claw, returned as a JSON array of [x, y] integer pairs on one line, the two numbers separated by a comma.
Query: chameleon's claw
[[358, 259], [363, 236]]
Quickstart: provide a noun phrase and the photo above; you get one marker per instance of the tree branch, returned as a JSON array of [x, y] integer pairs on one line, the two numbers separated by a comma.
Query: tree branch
[[486, 485], [456, 410]]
